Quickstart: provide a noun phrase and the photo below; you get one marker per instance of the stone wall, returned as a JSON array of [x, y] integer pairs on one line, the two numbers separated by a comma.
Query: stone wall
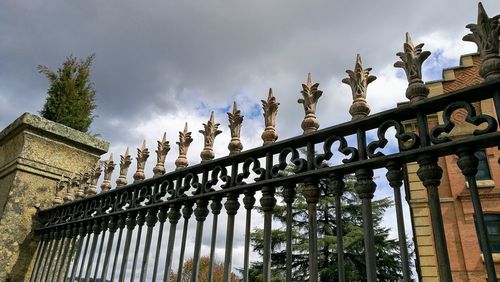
[[34, 153]]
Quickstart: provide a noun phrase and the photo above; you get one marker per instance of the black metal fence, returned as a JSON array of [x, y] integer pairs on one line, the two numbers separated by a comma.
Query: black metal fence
[[73, 235]]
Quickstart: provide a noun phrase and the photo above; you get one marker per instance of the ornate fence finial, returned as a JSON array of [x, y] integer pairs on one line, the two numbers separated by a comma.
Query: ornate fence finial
[[75, 185], [58, 199], [359, 79], [270, 108], [209, 132], [184, 142], [142, 157], [411, 61], [109, 166], [125, 161], [311, 95], [235, 121], [84, 179], [95, 173], [485, 34], [69, 196], [161, 154]]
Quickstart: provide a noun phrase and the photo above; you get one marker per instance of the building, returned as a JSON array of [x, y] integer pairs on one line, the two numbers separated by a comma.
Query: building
[[456, 206]]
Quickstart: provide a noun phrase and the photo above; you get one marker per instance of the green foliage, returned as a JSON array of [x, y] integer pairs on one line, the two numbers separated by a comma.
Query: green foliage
[[388, 257], [70, 97]]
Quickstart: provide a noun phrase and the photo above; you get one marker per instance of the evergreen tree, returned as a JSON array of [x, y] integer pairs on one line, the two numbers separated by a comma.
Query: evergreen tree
[[70, 97], [388, 257]]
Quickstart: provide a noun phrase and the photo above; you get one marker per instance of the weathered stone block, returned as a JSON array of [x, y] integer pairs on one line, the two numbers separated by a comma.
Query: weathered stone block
[[34, 153]]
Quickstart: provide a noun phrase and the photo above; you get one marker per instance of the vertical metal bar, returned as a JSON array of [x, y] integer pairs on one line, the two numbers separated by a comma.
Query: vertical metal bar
[[395, 177], [49, 252], [65, 251], [121, 225], [267, 202], [216, 207], [311, 193], [289, 197], [151, 220], [82, 230], [232, 205], [365, 187], [430, 174], [58, 255], [340, 237], [173, 216], [82, 265], [57, 238], [187, 211], [104, 228], [338, 186], [97, 230], [41, 252], [141, 219], [113, 226], [73, 244], [200, 214], [162, 217], [468, 163], [131, 222], [248, 202]]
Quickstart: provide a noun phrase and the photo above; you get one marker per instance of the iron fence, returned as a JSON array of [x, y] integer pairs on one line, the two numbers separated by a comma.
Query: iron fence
[[72, 233]]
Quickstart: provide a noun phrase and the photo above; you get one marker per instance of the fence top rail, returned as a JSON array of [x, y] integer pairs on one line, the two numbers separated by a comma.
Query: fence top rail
[[404, 112]]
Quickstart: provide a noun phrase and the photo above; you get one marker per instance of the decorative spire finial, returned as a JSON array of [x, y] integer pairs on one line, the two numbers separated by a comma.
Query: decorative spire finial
[[95, 173], [58, 199], [75, 185], [69, 196], [161, 155], [184, 142], [235, 121], [359, 79], [109, 166], [311, 95], [125, 161], [142, 157], [209, 132], [84, 179], [411, 62], [485, 34], [270, 107]]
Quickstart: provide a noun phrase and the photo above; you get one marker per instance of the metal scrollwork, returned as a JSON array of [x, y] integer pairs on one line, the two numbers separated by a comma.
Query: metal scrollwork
[[190, 181], [140, 195], [319, 161], [406, 140], [219, 172], [299, 163], [261, 172], [124, 200], [471, 118], [161, 189], [107, 204]]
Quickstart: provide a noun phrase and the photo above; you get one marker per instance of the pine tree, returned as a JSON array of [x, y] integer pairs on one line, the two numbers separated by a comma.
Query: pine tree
[[70, 97], [388, 258]]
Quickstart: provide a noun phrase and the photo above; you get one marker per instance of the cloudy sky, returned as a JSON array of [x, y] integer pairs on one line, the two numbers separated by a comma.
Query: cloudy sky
[[161, 63]]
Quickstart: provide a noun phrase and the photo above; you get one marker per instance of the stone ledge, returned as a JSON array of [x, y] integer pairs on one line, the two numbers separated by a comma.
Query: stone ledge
[[54, 130]]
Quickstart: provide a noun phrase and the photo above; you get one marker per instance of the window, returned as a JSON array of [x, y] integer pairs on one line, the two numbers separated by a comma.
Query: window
[[492, 222], [483, 170]]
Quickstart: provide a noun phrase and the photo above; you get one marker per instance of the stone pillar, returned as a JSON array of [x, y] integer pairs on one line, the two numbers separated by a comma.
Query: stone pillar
[[34, 153]]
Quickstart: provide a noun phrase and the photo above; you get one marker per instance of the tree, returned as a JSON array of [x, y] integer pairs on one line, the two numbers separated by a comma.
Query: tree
[[218, 274], [70, 97], [388, 257]]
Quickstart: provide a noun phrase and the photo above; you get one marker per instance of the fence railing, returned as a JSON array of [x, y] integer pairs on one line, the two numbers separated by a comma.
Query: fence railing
[[74, 232]]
